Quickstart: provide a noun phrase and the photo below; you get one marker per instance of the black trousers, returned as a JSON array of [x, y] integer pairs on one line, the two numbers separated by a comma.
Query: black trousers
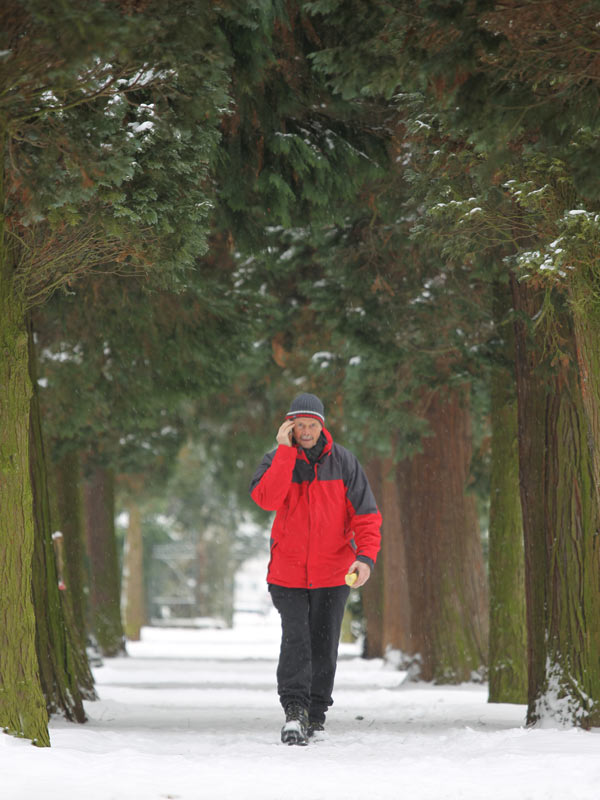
[[311, 621]]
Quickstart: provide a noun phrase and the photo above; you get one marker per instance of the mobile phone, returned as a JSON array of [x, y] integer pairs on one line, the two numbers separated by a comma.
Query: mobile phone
[[291, 435]]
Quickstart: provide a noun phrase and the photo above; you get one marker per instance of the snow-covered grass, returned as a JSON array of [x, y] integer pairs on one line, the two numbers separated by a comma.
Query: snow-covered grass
[[193, 715]]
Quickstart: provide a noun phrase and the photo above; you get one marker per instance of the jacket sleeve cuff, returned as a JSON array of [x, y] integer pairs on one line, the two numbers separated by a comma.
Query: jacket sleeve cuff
[[366, 560], [284, 451]]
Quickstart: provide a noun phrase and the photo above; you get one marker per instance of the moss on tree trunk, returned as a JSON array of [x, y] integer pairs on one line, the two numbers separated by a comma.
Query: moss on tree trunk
[[22, 707], [105, 584], [508, 629], [561, 519]]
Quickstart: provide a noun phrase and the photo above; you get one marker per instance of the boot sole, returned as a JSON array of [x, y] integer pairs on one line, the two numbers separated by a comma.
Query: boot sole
[[294, 737], [295, 740]]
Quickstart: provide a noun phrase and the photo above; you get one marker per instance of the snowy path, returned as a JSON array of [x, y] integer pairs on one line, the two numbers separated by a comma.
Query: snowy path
[[193, 715]]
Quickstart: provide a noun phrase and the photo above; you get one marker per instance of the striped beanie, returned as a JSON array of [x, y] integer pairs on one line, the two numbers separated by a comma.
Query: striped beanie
[[307, 405]]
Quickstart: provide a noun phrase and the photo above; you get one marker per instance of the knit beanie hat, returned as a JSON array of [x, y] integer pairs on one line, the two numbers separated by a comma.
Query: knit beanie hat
[[307, 405]]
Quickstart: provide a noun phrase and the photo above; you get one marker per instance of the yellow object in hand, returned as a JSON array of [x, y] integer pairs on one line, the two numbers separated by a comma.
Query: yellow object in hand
[[351, 578]]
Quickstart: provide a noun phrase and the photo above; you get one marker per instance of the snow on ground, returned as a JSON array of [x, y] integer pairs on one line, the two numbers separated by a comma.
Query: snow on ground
[[193, 715]]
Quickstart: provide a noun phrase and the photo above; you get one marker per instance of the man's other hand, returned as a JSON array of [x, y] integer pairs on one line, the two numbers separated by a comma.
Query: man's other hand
[[363, 571]]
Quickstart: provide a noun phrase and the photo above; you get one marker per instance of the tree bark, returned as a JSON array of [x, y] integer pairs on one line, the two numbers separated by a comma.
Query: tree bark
[[372, 594], [508, 629], [67, 484], [389, 585], [397, 606], [133, 575], [22, 707], [105, 588], [561, 519], [586, 319], [61, 654], [448, 591]]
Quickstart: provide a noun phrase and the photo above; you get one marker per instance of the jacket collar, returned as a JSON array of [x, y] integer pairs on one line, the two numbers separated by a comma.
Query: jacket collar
[[328, 442], [327, 449]]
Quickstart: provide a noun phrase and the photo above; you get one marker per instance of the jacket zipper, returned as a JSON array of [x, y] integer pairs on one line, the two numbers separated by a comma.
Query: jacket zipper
[[310, 526]]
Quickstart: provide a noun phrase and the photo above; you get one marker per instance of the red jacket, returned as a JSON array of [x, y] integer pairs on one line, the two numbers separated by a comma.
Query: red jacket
[[326, 515]]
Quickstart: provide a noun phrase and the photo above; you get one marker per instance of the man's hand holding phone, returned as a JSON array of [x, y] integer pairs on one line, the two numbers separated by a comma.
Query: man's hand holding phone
[[284, 434]]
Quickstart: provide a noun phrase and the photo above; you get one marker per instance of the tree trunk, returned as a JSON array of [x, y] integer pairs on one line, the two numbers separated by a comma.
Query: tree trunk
[[561, 519], [508, 629], [201, 577], [22, 707], [397, 609], [69, 519], [218, 570], [61, 655], [586, 317], [390, 580], [105, 589], [372, 594], [133, 575], [448, 592]]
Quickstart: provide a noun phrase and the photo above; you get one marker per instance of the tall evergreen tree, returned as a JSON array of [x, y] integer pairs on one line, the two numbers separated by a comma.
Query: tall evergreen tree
[[91, 93]]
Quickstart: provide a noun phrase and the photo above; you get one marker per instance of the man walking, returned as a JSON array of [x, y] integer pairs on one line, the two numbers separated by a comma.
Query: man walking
[[327, 525]]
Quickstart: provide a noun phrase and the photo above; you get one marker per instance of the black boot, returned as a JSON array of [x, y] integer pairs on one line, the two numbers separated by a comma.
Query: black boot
[[315, 726], [295, 730]]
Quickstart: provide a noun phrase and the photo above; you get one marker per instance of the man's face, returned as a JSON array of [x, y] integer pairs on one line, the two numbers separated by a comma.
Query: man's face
[[307, 431]]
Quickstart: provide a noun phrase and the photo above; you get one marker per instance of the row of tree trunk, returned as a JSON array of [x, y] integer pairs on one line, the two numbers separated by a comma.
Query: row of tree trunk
[[427, 598], [47, 618]]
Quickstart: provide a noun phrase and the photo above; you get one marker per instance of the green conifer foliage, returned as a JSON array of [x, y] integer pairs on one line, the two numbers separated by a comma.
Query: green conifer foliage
[[295, 160], [293, 152]]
